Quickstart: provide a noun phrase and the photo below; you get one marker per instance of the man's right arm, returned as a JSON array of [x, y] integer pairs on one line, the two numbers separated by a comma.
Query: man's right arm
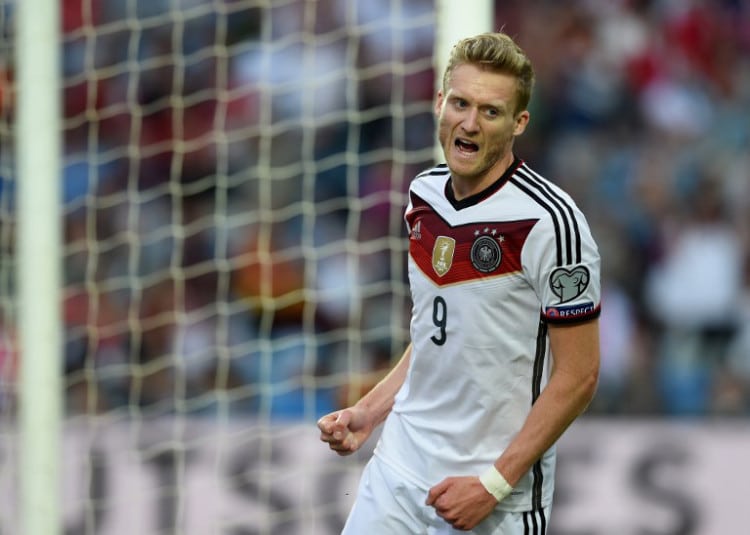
[[347, 429]]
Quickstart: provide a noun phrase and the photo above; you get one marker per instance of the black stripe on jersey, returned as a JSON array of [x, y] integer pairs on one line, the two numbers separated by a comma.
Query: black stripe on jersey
[[544, 184], [536, 490], [438, 170], [536, 388], [534, 527], [534, 181], [543, 522], [541, 353], [551, 212], [558, 208]]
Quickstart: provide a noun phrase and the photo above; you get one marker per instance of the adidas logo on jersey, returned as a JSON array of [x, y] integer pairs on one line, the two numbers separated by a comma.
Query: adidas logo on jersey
[[416, 232]]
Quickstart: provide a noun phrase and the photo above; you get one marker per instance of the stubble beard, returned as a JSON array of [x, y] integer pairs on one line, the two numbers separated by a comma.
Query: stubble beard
[[476, 171]]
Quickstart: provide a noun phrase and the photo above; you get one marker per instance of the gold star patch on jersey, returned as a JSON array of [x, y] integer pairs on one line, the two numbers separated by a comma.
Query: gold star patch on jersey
[[442, 254]]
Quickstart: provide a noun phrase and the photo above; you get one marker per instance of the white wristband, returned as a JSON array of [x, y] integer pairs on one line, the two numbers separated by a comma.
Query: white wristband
[[495, 483]]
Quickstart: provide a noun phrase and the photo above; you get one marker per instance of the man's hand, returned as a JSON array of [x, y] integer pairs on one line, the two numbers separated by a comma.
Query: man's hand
[[345, 430], [463, 502]]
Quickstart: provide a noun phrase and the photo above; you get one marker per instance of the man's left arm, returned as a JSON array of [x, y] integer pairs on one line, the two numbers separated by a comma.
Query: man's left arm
[[464, 501], [571, 387]]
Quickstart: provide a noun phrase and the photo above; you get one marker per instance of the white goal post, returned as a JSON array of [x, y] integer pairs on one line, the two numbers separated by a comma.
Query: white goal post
[[456, 20], [215, 255], [38, 146]]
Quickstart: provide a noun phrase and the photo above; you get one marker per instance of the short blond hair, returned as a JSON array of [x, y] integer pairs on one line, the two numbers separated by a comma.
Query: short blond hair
[[499, 53]]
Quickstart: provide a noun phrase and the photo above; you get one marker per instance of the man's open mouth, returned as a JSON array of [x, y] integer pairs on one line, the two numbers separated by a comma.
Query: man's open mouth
[[466, 146]]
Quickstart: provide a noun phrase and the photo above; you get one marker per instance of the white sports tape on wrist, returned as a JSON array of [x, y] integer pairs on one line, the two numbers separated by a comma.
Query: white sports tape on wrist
[[495, 483]]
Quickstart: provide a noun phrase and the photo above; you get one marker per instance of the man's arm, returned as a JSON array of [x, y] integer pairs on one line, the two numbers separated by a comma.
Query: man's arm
[[572, 385], [346, 430], [464, 501]]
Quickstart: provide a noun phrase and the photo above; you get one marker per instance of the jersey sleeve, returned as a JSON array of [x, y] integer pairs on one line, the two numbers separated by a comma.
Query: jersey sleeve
[[407, 211], [562, 263]]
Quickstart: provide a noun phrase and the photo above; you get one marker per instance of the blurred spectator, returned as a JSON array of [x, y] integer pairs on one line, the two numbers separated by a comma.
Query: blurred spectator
[[733, 387], [692, 292]]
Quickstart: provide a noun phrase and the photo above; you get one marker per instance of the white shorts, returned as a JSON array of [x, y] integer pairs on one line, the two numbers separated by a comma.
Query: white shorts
[[387, 504]]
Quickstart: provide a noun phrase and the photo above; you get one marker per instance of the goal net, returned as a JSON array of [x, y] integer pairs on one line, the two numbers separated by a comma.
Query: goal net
[[233, 186]]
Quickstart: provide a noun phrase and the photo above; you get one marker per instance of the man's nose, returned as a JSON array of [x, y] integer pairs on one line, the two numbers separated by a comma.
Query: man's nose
[[470, 123]]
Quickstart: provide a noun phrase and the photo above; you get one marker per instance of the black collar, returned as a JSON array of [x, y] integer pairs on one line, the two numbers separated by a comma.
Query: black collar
[[471, 200]]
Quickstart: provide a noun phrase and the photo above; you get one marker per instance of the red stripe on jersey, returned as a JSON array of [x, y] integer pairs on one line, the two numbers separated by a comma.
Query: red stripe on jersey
[[444, 252]]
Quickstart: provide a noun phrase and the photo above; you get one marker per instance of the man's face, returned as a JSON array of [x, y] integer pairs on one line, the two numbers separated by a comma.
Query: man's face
[[476, 122]]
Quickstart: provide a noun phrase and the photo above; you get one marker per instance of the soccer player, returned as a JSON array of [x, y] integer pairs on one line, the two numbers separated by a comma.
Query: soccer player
[[504, 351]]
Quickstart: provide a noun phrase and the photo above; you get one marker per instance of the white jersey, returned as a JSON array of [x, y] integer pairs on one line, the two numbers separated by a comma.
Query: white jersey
[[488, 274]]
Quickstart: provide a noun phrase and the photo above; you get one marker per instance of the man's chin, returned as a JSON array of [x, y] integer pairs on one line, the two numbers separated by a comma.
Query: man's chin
[[464, 167]]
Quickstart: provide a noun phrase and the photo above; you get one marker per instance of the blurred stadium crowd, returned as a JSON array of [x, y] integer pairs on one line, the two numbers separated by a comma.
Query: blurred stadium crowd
[[235, 179], [642, 112]]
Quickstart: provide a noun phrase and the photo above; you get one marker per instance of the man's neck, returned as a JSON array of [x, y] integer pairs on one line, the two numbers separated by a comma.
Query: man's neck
[[466, 186]]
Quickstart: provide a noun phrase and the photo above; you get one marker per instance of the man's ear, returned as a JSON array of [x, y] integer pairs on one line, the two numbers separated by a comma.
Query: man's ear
[[522, 119], [439, 103]]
